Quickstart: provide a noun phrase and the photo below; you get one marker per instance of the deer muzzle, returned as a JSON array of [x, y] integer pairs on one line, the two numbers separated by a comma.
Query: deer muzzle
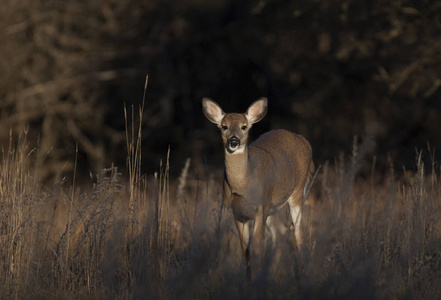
[[233, 143]]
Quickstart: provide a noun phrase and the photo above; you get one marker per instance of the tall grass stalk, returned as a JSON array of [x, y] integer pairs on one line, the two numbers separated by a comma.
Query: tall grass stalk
[[134, 143]]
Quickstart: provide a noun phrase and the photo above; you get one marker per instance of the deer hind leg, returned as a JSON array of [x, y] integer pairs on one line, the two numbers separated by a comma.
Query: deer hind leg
[[295, 202], [277, 229], [274, 229]]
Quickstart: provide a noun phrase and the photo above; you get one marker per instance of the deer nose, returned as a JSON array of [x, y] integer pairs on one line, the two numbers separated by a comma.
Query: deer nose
[[234, 142]]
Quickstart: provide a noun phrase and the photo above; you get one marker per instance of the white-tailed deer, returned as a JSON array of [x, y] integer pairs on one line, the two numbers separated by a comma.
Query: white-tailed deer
[[262, 177]]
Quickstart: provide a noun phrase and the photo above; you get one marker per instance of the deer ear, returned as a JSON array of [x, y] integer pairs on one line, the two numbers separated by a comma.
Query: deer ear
[[212, 111], [257, 111]]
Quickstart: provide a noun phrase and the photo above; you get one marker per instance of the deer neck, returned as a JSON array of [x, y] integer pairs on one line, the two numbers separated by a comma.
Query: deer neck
[[237, 170]]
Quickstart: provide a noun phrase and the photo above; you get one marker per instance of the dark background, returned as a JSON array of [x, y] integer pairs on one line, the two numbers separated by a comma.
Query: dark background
[[331, 70]]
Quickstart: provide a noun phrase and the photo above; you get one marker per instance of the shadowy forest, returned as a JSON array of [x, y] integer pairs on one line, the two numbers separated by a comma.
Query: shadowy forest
[[331, 70]]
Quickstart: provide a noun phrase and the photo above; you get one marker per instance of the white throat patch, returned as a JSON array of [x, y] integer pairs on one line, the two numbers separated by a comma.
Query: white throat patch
[[239, 150]]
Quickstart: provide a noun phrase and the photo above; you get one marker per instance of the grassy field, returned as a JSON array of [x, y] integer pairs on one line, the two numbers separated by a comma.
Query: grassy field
[[137, 236]]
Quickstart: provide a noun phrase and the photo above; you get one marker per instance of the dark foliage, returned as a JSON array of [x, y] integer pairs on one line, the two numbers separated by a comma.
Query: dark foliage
[[331, 70]]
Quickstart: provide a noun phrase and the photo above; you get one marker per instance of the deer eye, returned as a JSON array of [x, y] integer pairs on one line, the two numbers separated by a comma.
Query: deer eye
[[244, 127], [224, 127]]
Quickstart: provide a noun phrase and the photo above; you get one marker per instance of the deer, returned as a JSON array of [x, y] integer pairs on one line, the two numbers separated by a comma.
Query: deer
[[262, 177]]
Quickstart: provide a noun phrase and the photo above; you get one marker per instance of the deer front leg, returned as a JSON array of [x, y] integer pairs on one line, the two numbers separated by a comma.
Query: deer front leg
[[243, 230], [256, 243]]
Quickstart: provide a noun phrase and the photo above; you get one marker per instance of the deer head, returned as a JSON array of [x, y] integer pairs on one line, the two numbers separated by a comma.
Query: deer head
[[234, 126]]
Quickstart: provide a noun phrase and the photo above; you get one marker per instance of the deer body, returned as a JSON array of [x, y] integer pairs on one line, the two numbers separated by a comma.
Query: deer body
[[262, 177], [265, 175]]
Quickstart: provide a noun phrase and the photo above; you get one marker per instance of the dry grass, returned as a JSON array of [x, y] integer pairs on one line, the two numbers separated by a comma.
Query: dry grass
[[153, 237]]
